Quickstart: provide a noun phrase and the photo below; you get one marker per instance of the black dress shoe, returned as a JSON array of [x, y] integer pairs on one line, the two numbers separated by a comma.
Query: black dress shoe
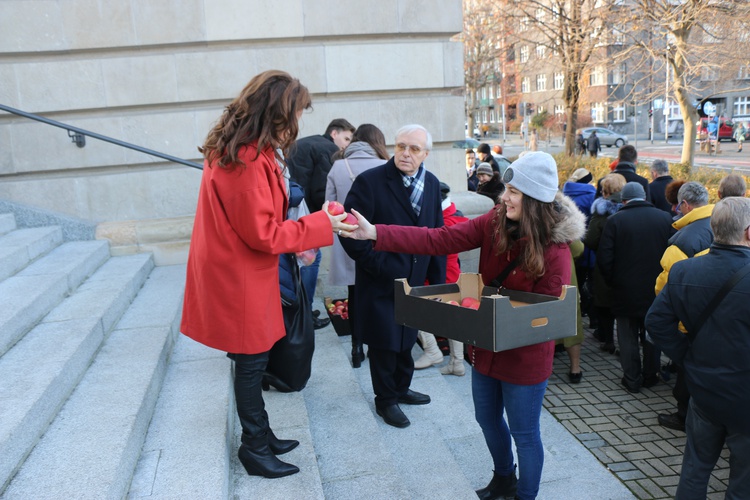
[[358, 354], [414, 398], [673, 421], [392, 415], [316, 313], [633, 390], [650, 381], [319, 323], [575, 378]]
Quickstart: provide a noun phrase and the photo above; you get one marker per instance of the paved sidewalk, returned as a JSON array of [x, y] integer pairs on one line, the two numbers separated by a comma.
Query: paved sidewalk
[[621, 428]]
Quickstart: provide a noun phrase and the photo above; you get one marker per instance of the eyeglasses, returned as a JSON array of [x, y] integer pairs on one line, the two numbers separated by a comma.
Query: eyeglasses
[[412, 149]]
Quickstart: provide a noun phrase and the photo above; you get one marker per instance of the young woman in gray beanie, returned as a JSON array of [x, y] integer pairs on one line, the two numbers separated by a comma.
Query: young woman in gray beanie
[[529, 229]]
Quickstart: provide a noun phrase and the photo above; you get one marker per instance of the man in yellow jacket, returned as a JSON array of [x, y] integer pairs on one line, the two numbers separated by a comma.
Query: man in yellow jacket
[[693, 237]]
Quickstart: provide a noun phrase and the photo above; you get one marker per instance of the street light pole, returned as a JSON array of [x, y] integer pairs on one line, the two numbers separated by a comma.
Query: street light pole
[[666, 96]]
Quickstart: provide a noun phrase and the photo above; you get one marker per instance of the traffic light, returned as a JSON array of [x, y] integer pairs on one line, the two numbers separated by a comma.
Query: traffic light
[[650, 113], [529, 109]]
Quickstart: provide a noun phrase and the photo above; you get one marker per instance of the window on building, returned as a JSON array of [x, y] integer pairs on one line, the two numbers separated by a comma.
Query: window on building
[[541, 82], [744, 72], [541, 50], [484, 116], [742, 106], [618, 74], [559, 81], [540, 13], [597, 112], [708, 74], [512, 88], [598, 76], [526, 85], [492, 116], [540, 109], [559, 109], [524, 53], [491, 93], [510, 53], [525, 23], [618, 112], [484, 92]]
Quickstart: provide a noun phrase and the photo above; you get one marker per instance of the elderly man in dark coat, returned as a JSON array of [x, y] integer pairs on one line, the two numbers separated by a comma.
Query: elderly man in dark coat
[[715, 354], [400, 192], [632, 244]]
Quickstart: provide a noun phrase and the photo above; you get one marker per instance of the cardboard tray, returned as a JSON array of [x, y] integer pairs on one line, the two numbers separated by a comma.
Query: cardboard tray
[[341, 325], [506, 319]]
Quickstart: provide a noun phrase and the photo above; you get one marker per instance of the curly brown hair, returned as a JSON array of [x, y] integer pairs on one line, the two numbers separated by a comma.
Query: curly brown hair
[[535, 228], [265, 112]]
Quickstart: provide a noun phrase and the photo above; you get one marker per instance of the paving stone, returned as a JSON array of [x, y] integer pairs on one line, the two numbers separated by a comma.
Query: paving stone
[[652, 488], [628, 475], [666, 481]]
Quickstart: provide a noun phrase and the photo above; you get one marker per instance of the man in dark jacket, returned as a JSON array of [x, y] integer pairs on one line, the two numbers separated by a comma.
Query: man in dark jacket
[[485, 156], [716, 359], [309, 163], [693, 237], [400, 192], [627, 157], [632, 243], [593, 144], [659, 179]]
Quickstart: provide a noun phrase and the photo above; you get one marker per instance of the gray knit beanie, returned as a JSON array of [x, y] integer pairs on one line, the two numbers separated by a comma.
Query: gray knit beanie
[[535, 175]]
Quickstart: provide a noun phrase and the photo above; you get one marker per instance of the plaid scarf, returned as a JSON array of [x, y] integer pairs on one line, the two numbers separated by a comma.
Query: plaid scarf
[[415, 187]]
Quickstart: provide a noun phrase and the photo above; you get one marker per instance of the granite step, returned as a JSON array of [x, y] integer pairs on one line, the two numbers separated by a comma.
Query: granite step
[[7, 223], [18, 248], [92, 446], [43, 368], [31, 293]]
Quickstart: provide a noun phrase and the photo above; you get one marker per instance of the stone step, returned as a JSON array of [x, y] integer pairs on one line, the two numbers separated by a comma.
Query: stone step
[[92, 447], [7, 223], [185, 452], [43, 368], [22, 246], [34, 291]]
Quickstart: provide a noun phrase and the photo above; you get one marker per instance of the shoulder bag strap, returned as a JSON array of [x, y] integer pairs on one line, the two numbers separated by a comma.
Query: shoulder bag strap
[[730, 283], [498, 281], [351, 174]]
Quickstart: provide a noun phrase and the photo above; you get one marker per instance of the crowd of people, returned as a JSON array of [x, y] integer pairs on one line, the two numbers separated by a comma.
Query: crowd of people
[[634, 248]]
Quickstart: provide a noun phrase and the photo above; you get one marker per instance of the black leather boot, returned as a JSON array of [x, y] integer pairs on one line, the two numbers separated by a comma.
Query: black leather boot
[[278, 446], [258, 460], [358, 354], [499, 487]]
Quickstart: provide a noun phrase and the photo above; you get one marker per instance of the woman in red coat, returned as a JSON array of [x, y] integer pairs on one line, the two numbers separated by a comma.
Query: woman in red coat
[[232, 297], [529, 229]]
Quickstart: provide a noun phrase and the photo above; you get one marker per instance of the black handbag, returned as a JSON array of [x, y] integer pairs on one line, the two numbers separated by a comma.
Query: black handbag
[[290, 358]]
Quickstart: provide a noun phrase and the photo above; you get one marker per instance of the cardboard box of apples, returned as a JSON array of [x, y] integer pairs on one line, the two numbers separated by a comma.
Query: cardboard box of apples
[[483, 316], [338, 311]]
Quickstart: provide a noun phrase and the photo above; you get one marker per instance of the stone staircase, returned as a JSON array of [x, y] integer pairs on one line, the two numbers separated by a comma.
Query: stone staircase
[[101, 398]]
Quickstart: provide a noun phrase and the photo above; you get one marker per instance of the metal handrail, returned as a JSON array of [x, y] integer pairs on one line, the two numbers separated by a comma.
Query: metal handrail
[[78, 135]]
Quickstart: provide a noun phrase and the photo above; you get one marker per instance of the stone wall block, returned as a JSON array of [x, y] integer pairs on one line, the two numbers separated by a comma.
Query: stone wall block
[[31, 26], [140, 80], [253, 20], [63, 84]]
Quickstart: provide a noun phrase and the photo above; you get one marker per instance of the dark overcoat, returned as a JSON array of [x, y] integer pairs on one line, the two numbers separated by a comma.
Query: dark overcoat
[[629, 255], [380, 195]]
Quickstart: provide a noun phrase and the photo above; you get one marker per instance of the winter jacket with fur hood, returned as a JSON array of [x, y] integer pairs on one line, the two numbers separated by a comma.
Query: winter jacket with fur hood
[[527, 365]]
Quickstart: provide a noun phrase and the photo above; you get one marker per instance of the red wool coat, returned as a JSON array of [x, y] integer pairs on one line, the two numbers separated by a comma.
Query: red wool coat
[[232, 299]]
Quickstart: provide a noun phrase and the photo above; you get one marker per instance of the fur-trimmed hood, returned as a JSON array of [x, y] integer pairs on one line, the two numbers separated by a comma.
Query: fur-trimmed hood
[[572, 224], [603, 206]]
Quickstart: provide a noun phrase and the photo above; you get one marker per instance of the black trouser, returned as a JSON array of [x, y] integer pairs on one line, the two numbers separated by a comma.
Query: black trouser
[[606, 324], [391, 374], [681, 392], [356, 337], [248, 393]]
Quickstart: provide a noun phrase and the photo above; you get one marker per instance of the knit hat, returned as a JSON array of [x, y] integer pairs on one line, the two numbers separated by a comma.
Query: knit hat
[[633, 191], [444, 190], [535, 175], [484, 148], [484, 168], [581, 176]]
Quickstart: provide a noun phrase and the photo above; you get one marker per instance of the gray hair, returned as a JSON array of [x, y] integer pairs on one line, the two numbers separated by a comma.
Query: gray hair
[[732, 185], [408, 129], [694, 193], [730, 219], [660, 167]]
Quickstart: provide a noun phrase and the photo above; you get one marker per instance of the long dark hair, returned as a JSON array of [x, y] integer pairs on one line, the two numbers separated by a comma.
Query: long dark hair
[[372, 135], [265, 112], [535, 228]]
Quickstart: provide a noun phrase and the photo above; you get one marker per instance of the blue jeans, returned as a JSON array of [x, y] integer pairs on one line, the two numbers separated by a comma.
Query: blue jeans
[[705, 440], [309, 277], [523, 406]]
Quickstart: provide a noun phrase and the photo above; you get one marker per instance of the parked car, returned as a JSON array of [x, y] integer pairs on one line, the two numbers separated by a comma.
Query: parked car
[[726, 128], [606, 137]]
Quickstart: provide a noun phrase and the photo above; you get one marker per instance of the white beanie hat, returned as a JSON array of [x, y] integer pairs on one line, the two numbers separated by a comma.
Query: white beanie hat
[[535, 175]]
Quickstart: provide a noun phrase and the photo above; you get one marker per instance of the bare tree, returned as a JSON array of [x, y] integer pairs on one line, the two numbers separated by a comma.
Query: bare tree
[[572, 33], [481, 37], [698, 40]]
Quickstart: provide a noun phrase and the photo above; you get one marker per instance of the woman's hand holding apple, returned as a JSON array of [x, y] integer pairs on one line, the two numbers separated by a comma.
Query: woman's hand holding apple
[[342, 223]]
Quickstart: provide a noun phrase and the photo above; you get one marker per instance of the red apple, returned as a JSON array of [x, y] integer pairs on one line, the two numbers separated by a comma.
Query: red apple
[[351, 220], [453, 303], [470, 302], [335, 208]]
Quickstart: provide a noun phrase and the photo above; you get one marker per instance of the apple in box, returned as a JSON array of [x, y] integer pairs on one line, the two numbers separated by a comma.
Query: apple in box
[[470, 302], [339, 308]]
